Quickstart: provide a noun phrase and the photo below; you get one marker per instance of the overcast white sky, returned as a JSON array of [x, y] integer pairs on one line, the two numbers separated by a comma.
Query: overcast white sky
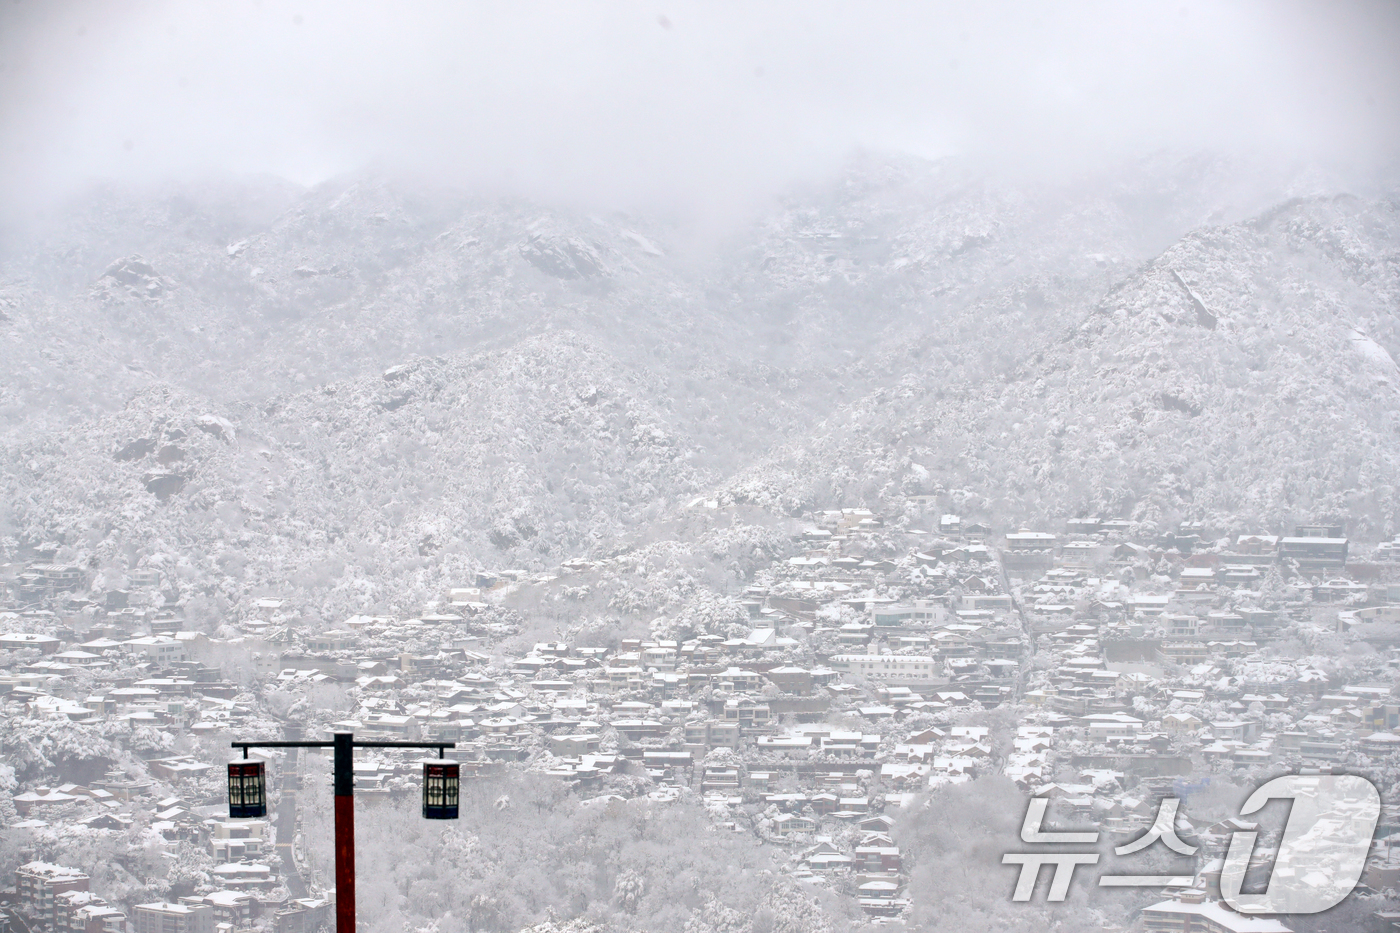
[[630, 103]]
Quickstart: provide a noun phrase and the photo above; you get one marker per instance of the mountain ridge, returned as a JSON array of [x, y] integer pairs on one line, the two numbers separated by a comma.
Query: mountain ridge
[[584, 381]]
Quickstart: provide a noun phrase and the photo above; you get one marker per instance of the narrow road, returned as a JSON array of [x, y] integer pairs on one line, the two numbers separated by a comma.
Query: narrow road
[[1022, 669], [287, 824]]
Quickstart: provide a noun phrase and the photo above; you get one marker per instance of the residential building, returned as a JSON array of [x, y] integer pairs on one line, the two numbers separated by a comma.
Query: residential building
[[890, 668], [1314, 555], [1183, 916], [38, 884], [162, 917]]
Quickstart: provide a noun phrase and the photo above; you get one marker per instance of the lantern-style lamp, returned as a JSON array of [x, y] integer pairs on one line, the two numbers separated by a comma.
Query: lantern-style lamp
[[247, 790], [441, 782]]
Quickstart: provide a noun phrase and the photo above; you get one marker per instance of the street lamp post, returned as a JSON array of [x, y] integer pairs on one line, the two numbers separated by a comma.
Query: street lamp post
[[248, 797]]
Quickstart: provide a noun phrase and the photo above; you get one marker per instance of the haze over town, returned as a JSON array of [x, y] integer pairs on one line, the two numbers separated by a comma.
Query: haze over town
[[779, 447]]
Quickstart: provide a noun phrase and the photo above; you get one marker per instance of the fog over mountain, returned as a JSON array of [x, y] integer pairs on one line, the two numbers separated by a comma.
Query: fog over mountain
[[698, 109], [584, 321], [1145, 346]]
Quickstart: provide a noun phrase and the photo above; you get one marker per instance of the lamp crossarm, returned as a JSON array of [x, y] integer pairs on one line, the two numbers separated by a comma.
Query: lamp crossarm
[[247, 745]]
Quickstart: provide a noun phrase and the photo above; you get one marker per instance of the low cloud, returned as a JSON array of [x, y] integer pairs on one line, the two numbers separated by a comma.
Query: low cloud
[[677, 105]]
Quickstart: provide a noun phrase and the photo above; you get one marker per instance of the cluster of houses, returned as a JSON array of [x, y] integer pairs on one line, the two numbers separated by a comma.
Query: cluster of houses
[[58, 898], [1159, 663], [1141, 665]]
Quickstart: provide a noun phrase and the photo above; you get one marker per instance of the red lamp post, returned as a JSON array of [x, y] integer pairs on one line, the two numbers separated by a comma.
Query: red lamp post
[[247, 784]]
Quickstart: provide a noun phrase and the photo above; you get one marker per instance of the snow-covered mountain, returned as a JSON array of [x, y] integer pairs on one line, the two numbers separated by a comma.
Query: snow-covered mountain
[[372, 389], [1245, 375]]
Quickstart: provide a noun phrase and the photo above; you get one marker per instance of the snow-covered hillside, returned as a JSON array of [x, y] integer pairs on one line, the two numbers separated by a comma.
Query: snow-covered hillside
[[369, 391], [1242, 376]]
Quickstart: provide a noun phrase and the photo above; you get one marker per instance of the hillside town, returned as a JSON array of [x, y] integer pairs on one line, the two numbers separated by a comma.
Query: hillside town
[[1100, 666], [699, 467]]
